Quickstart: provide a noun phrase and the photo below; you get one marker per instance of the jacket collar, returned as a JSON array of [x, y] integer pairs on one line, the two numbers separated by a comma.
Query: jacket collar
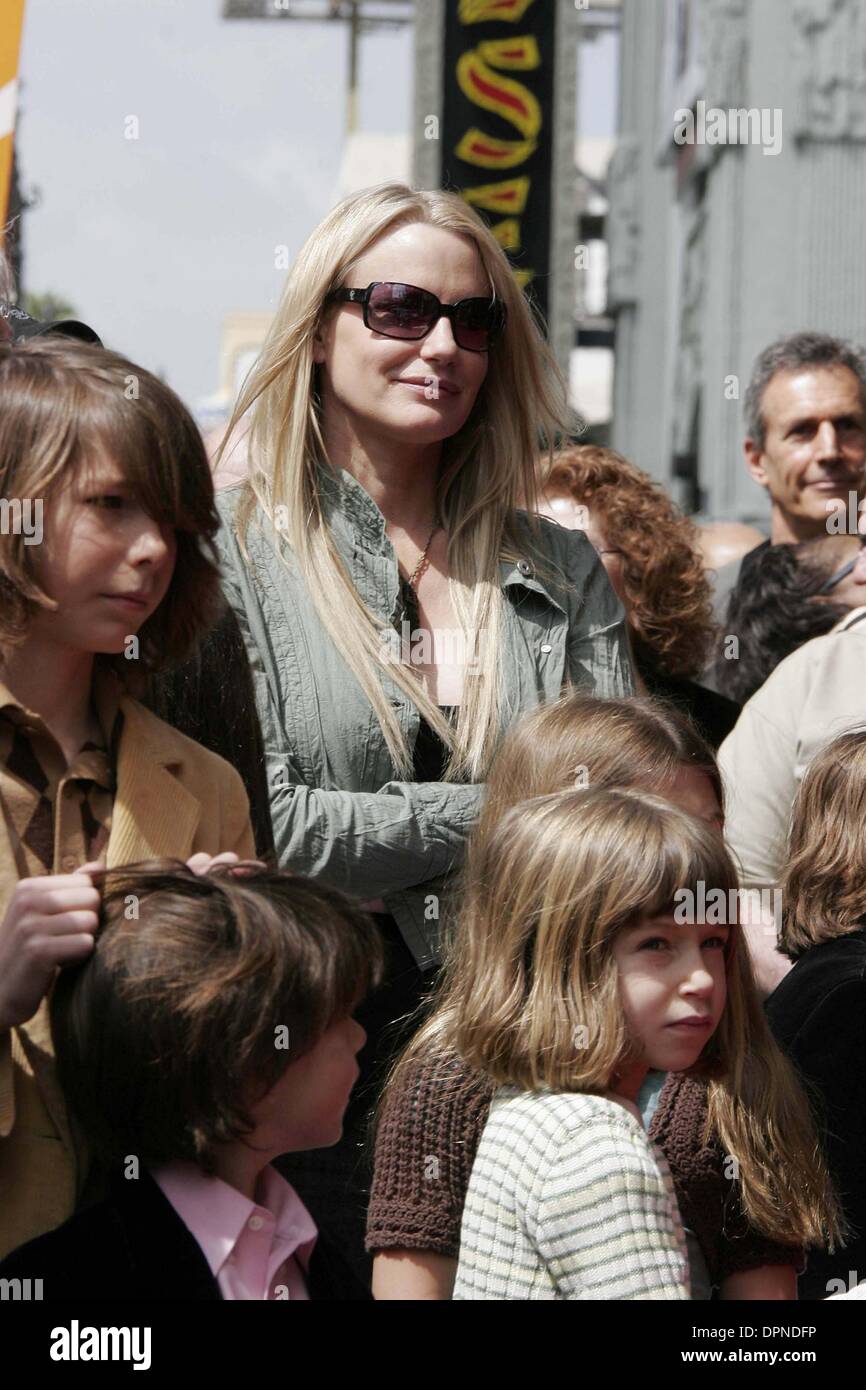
[[851, 619], [523, 573], [349, 508], [154, 815]]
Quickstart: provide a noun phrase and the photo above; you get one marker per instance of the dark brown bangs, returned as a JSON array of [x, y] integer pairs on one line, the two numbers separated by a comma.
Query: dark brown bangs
[[156, 444], [684, 863]]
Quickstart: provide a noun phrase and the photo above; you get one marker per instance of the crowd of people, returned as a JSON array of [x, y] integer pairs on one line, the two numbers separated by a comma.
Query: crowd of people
[[427, 871]]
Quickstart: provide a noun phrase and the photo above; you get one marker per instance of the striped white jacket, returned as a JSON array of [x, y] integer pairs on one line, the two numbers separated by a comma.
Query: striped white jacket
[[569, 1199]]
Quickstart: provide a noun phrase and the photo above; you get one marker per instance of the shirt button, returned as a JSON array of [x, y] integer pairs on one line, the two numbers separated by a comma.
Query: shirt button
[[256, 1223], [547, 647], [525, 567], [68, 863]]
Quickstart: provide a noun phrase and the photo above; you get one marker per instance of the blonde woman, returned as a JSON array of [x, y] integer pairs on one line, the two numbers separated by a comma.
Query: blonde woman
[[434, 1107], [576, 975], [400, 611]]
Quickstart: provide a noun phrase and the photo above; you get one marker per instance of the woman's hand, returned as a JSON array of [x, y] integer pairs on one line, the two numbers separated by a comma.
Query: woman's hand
[[50, 921]]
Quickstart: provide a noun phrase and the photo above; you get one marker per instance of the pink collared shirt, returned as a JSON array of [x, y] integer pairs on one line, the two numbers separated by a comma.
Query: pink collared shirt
[[256, 1250]]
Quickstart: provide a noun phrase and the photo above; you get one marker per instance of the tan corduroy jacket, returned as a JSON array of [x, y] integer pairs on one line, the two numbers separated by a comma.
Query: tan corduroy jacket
[[174, 798]]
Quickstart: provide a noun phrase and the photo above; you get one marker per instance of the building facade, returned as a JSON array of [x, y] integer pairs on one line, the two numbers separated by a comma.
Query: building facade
[[737, 197]]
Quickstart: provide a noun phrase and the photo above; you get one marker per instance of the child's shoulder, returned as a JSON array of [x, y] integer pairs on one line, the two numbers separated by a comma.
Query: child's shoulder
[[578, 1138], [564, 1113]]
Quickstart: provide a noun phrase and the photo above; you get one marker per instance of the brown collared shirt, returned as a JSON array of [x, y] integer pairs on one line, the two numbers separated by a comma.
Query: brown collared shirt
[[57, 814]]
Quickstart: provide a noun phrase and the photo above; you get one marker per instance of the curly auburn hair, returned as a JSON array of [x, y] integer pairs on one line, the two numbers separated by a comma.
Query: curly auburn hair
[[670, 610]]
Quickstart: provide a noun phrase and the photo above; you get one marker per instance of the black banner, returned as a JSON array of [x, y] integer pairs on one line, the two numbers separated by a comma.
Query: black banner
[[497, 125]]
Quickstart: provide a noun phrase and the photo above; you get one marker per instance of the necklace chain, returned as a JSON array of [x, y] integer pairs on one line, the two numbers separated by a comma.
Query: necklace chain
[[422, 562]]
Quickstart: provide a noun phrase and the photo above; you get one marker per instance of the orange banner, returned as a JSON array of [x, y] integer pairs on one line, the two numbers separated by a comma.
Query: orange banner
[[11, 24]]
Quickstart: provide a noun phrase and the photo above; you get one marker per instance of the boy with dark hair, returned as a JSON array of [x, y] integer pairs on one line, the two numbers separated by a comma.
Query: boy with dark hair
[[209, 1032]]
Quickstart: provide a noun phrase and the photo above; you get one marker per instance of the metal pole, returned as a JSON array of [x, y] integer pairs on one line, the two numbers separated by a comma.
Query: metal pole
[[354, 32]]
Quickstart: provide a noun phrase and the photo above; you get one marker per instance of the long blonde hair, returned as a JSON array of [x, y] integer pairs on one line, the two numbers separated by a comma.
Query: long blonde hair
[[532, 997], [488, 467]]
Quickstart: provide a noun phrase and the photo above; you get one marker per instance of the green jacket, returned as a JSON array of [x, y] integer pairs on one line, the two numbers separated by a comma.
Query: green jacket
[[338, 811]]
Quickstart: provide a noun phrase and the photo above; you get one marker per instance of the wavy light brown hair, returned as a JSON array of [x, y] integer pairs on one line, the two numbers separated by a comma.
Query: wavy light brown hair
[[63, 402], [166, 1034], [669, 597], [824, 878], [555, 882], [582, 741]]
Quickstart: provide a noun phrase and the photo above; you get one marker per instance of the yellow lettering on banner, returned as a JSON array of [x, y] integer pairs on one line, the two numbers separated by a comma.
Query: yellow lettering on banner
[[476, 11], [507, 233], [516, 53], [509, 195], [489, 153], [511, 100]]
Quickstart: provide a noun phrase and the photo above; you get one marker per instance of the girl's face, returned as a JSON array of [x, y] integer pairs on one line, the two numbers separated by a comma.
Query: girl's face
[[104, 560], [418, 392], [673, 988]]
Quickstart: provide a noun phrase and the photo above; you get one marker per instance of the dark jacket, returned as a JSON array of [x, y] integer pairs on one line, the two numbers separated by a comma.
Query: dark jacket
[[713, 715], [134, 1247], [818, 1015]]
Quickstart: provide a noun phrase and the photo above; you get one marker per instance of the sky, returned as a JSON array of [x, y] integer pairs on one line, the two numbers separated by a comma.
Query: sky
[[240, 127]]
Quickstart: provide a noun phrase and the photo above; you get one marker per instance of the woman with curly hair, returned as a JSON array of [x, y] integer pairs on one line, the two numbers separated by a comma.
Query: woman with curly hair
[[651, 554]]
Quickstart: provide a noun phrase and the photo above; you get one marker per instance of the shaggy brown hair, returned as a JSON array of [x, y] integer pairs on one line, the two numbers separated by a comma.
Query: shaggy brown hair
[[62, 403], [669, 596], [824, 880], [167, 1032]]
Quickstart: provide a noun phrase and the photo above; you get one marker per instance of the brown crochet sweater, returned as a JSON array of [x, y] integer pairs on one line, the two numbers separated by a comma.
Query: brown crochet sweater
[[429, 1130]]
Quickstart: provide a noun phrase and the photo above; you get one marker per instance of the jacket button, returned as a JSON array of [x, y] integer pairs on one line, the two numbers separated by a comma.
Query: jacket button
[[525, 567], [546, 647]]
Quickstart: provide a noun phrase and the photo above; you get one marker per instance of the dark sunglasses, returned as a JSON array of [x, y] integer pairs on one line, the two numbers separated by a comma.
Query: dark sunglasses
[[841, 574], [405, 311]]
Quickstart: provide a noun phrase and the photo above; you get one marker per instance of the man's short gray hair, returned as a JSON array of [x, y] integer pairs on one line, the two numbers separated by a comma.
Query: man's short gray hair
[[793, 353]]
